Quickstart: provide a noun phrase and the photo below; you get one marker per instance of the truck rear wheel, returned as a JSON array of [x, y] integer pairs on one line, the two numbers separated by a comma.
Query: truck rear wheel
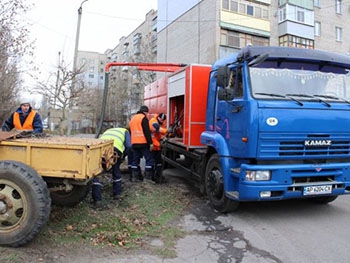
[[70, 198], [24, 203], [214, 183]]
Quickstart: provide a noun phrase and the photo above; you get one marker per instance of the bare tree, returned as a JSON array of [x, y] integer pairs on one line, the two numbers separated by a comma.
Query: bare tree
[[14, 45], [89, 105], [62, 90]]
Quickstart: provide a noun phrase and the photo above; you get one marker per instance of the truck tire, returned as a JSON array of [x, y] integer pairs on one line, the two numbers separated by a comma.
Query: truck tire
[[24, 203], [70, 198], [215, 187], [323, 199]]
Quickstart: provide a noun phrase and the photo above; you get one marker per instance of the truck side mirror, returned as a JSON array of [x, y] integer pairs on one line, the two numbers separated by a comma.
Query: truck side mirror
[[226, 94], [223, 76]]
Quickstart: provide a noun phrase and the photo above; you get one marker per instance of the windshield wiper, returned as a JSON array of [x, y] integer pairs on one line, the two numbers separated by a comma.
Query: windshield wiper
[[311, 97], [280, 96], [332, 97]]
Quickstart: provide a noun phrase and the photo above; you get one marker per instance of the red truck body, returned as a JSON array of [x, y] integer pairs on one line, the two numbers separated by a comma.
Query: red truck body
[[182, 95]]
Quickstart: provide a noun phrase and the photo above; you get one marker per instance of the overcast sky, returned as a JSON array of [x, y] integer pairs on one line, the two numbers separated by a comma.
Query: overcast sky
[[103, 23]]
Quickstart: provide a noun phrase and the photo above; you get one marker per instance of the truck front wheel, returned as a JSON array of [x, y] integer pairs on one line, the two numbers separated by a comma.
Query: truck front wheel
[[324, 199], [24, 203], [214, 183]]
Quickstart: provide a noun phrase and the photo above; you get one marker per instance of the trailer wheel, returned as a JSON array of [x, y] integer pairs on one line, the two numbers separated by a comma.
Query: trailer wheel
[[215, 187], [24, 203], [69, 198], [323, 199]]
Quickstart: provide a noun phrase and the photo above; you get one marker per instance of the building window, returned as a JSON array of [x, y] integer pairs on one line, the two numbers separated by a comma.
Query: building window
[[237, 40], [234, 6], [300, 16], [338, 6], [317, 28], [225, 4], [247, 39], [339, 33], [251, 9], [265, 14], [258, 12], [91, 76], [282, 15], [229, 38], [137, 39], [317, 3], [295, 13], [294, 41]]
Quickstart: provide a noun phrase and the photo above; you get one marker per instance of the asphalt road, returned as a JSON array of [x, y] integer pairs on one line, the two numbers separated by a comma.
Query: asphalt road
[[284, 231]]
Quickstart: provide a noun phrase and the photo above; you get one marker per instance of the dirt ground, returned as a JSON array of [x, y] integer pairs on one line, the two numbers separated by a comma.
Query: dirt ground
[[43, 251]]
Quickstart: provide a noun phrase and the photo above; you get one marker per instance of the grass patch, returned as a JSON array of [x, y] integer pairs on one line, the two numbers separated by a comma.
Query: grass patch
[[143, 214], [9, 256]]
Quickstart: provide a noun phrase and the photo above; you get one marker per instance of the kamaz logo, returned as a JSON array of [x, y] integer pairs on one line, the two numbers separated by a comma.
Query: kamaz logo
[[315, 143]]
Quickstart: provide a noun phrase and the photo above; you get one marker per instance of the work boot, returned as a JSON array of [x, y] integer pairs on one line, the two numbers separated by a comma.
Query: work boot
[[140, 176], [117, 198], [159, 179], [100, 206], [133, 176], [148, 174]]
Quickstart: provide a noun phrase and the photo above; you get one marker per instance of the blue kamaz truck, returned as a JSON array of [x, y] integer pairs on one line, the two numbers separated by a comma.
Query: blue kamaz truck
[[276, 125]]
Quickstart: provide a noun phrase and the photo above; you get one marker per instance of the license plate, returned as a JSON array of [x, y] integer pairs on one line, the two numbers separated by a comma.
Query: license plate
[[318, 190]]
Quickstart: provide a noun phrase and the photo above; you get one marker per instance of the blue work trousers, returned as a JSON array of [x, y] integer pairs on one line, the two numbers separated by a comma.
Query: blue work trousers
[[138, 153], [116, 181], [117, 175]]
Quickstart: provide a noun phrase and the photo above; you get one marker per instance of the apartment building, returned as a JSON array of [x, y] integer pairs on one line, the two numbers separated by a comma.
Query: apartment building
[[92, 64], [202, 31], [126, 83]]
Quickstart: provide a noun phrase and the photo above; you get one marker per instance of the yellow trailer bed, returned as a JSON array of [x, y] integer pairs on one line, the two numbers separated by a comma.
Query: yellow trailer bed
[[38, 172], [59, 157]]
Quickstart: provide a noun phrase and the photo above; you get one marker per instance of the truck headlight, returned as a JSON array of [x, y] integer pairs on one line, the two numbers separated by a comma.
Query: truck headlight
[[257, 175]]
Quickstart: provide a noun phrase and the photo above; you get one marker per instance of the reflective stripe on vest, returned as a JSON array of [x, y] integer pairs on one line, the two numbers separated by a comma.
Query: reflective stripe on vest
[[28, 123], [117, 135], [137, 135]]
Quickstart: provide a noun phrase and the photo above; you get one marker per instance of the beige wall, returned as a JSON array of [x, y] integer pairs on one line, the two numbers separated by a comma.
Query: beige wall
[[193, 38]]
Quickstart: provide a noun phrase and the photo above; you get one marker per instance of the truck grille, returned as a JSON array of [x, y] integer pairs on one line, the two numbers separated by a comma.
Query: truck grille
[[294, 146]]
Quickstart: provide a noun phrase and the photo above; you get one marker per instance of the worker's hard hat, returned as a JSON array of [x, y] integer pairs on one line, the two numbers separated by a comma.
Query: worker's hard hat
[[161, 117], [144, 108]]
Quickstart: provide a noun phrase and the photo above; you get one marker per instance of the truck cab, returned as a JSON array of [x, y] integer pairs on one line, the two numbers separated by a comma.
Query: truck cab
[[277, 126]]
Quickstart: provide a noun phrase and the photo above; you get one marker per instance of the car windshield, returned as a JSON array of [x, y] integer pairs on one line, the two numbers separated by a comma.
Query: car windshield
[[299, 84]]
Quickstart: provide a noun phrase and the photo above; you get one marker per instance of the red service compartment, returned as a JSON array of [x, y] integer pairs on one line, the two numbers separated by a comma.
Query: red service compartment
[[183, 96]]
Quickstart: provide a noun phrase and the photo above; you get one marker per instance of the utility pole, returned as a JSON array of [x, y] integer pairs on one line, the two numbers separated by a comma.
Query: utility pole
[[80, 12]]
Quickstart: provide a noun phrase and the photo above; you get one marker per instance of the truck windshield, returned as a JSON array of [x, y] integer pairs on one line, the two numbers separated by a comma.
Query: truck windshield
[[284, 84]]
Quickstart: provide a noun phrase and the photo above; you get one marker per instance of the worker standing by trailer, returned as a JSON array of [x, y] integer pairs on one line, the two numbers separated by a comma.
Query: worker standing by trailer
[[142, 145]]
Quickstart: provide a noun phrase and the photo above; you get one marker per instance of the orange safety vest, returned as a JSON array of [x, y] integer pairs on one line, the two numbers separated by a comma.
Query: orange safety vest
[[28, 123], [156, 136], [137, 135]]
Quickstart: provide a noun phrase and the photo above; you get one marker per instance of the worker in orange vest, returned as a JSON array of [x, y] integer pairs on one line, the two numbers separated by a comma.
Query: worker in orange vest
[[158, 131], [141, 141], [24, 119]]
